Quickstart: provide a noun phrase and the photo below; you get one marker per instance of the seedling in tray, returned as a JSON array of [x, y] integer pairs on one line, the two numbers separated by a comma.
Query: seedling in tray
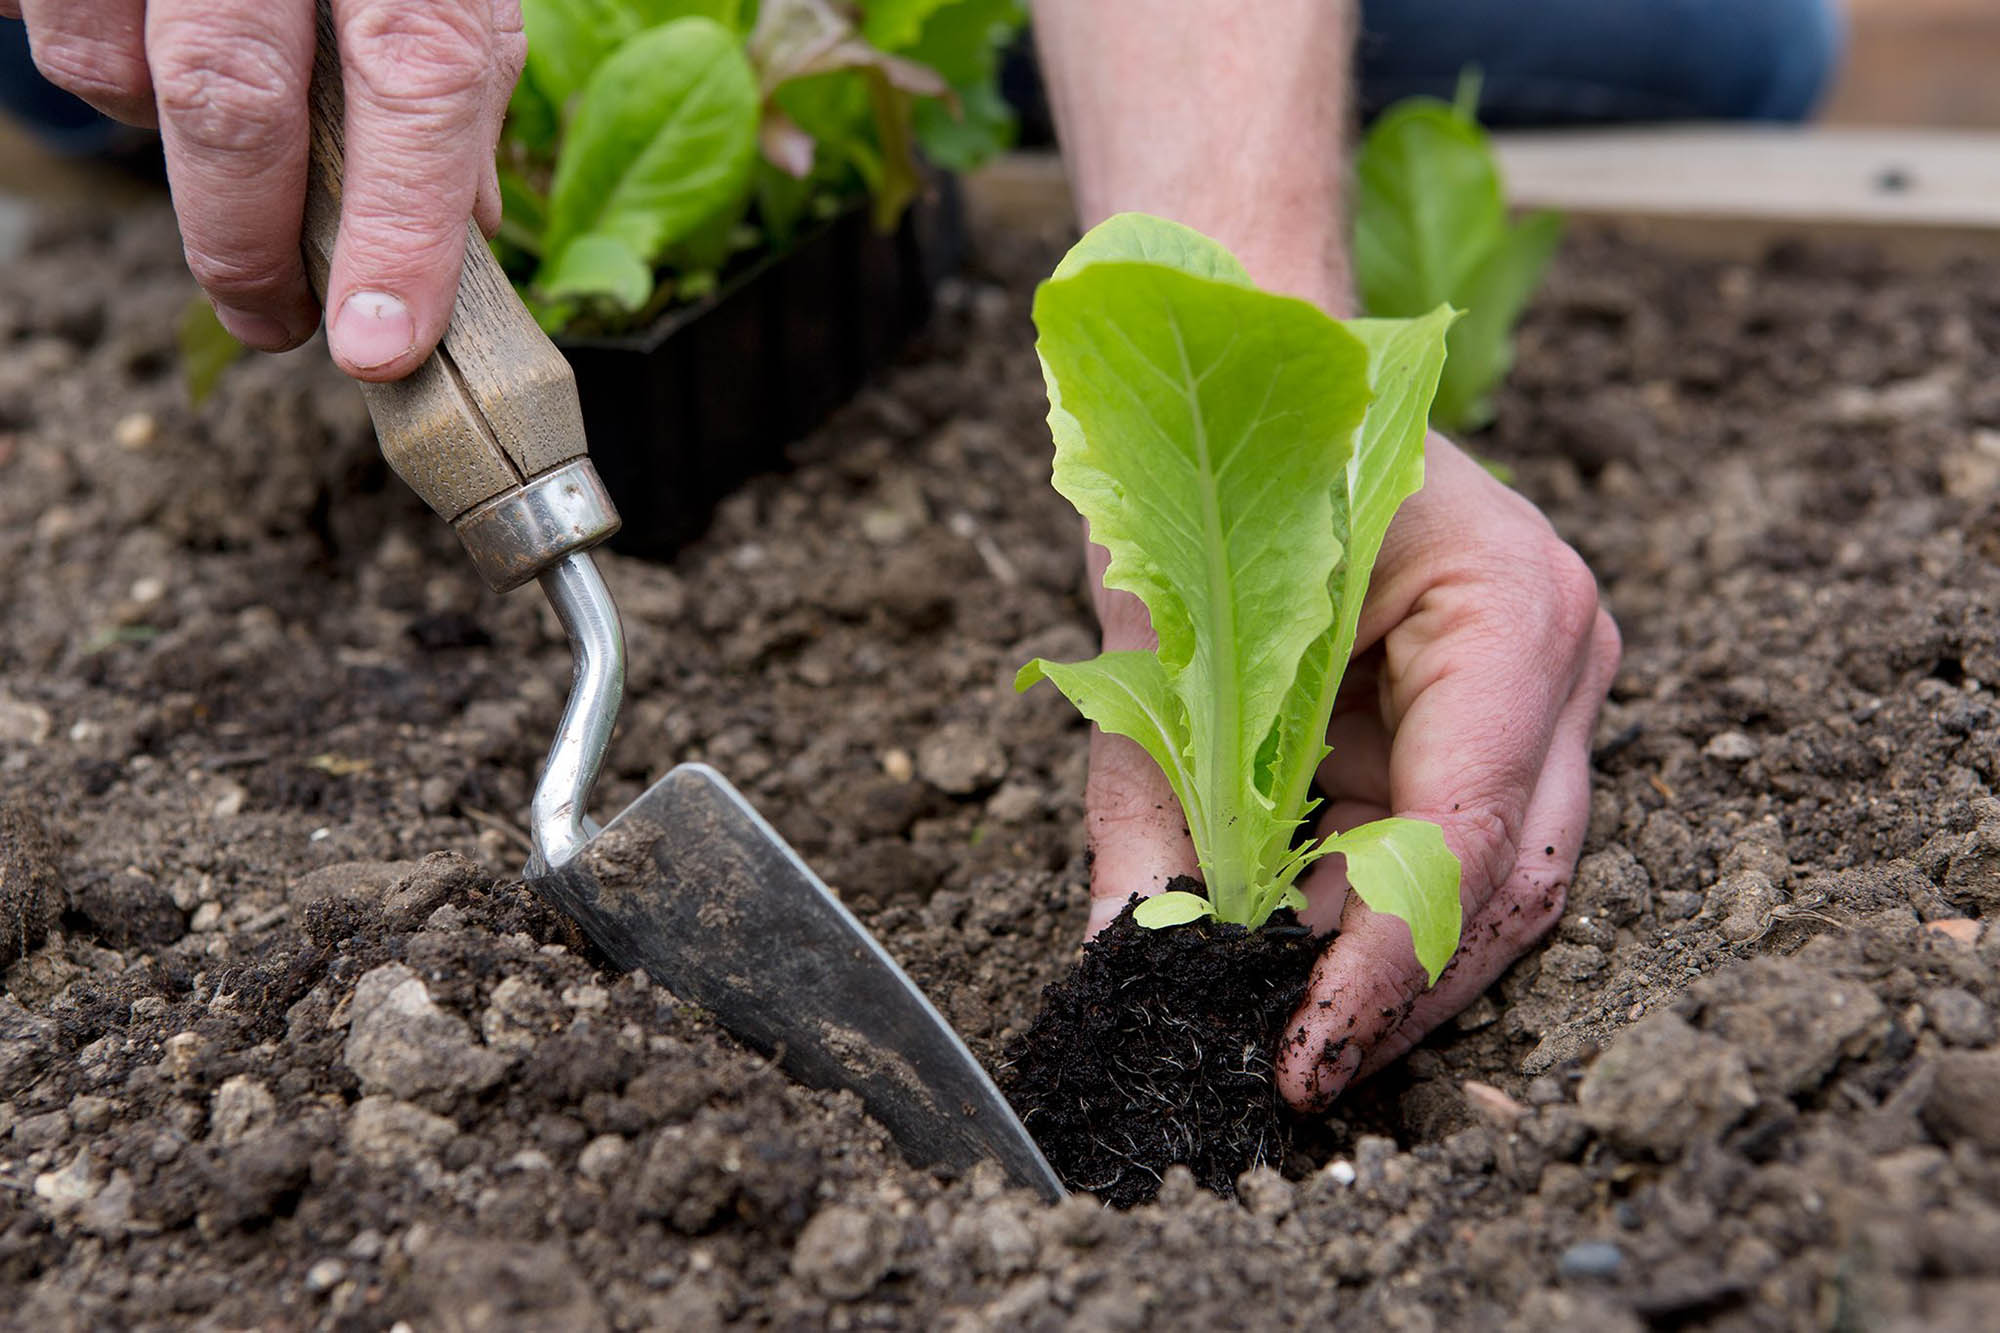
[[1239, 454], [1431, 225]]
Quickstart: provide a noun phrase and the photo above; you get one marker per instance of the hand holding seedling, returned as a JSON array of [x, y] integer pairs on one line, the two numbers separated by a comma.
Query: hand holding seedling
[[427, 83], [1481, 661], [1480, 656], [1241, 456]]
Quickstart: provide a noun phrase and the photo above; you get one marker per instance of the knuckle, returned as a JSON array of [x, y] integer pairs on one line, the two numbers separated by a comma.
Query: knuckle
[[1574, 589], [417, 56], [1486, 842], [510, 54], [223, 89], [236, 281], [93, 70], [415, 239]]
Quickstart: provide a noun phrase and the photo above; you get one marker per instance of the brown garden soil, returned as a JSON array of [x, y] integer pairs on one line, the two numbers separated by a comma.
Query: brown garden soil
[[285, 1044]]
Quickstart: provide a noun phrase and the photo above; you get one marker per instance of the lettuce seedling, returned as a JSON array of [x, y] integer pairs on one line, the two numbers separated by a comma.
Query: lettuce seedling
[[1431, 226], [1239, 454], [649, 141]]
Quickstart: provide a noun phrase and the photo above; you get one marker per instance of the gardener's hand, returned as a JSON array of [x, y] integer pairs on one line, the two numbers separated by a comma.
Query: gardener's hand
[[1481, 663], [427, 83]]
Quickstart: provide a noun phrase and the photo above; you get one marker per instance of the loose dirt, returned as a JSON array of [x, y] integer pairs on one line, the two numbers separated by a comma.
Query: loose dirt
[[285, 1044]]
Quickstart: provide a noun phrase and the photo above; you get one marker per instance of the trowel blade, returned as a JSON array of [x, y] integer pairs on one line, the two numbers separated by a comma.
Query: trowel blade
[[691, 884]]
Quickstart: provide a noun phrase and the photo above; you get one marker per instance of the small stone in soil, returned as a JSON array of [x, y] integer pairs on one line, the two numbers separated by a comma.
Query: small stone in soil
[[844, 1251], [1731, 747], [1663, 1085], [1964, 1101], [1959, 1017], [1959, 929], [325, 1275], [1493, 1105], [401, 1043], [23, 723], [1591, 1259], [135, 430], [240, 1105], [1611, 884], [960, 760]]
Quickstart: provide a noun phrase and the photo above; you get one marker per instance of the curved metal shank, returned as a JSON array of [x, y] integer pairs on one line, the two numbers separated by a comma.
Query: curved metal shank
[[597, 684]]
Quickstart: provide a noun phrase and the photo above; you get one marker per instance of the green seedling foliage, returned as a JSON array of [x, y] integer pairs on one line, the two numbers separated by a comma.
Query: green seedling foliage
[[1239, 454], [1431, 227], [596, 265], [569, 39], [963, 43], [662, 139], [633, 138]]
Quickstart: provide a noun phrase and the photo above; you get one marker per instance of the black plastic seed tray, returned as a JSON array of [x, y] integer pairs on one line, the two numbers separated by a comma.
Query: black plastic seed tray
[[683, 412]]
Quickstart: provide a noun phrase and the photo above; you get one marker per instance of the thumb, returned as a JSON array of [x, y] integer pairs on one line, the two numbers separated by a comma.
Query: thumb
[[417, 149]]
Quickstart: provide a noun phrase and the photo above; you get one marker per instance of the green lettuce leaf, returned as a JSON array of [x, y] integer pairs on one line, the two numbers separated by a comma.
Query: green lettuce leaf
[[569, 39], [1240, 455], [1398, 866], [1431, 228], [894, 24], [963, 42], [663, 137], [1172, 908], [961, 137], [1185, 411], [1494, 295], [1128, 693], [599, 267], [1405, 358], [1428, 208]]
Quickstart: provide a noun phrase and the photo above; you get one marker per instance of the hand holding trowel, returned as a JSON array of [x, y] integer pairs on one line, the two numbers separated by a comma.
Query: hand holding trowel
[[686, 882]]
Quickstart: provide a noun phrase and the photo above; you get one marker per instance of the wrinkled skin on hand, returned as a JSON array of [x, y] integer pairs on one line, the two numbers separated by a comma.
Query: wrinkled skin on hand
[[1482, 660], [427, 83]]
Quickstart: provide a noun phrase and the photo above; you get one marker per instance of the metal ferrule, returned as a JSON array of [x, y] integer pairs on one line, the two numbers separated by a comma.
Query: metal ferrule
[[518, 534], [557, 815]]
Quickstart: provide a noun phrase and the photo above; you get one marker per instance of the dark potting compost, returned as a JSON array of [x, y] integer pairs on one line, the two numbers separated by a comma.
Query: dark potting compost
[[1156, 1051], [287, 1044]]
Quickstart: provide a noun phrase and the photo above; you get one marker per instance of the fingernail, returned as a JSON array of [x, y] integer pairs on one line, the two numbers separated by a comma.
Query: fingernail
[[258, 331], [1335, 1076], [372, 329]]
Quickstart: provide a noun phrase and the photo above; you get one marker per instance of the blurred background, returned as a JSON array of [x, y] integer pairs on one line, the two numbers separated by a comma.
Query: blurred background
[[1920, 62], [1917, 66]]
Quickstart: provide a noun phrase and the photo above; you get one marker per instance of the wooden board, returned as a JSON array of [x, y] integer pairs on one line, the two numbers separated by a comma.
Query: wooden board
[[1918, 196], [1883, 177]]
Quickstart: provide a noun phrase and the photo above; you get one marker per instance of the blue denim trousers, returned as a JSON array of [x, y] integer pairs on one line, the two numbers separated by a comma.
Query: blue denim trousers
[[1571, 62]]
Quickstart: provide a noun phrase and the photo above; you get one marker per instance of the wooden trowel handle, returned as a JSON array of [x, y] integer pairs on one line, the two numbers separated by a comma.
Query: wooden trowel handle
[[487, 430]]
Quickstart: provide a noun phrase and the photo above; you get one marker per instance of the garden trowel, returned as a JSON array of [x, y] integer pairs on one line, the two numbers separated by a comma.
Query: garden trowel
[[687, 882]]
